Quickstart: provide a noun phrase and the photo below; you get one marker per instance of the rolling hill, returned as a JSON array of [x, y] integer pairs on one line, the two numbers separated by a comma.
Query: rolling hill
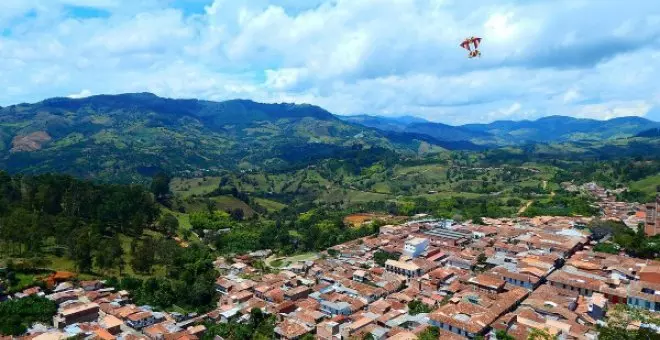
[[650, 133], [396, 124], [562, 128], [128, 136], [507, 132]]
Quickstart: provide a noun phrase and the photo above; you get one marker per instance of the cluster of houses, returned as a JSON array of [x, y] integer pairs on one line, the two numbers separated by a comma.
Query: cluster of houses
[[513, 275], [90, 310]]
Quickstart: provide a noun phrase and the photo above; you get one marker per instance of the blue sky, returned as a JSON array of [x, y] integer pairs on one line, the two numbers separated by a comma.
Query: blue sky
[[595, 59]]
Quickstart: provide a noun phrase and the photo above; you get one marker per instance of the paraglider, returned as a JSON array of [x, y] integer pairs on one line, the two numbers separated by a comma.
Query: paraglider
[[472, 41]]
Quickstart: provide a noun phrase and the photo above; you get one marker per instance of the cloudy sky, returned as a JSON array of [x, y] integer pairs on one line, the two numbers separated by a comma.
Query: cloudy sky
[[597, 59]]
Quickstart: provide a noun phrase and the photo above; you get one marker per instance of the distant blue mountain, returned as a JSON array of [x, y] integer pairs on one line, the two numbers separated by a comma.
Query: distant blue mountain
[[397, 124], [546, 129]]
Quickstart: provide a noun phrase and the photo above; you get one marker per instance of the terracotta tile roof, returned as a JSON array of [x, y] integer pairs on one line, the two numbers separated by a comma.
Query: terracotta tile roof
[[291, 329], [487, 280]]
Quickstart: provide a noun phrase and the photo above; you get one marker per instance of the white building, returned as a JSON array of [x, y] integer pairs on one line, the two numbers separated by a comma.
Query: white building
[[416, 246]]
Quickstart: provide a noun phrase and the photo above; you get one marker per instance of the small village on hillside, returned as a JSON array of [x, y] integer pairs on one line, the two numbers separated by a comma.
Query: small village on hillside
[[464, 280]]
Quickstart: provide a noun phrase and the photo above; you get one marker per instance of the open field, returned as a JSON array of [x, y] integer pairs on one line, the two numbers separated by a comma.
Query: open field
[[279, 262], [194, 186], [647, 185], [270, 205]]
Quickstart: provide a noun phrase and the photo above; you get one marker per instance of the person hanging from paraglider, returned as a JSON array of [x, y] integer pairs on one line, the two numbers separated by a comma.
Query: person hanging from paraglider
[[475, 41]]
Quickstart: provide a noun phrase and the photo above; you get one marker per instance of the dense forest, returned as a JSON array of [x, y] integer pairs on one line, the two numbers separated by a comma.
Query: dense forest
[[54, 217], [59, 213]]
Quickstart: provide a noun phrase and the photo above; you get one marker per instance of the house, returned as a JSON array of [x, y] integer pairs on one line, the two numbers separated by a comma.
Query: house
[[597, 306], [571, 279], [526, 277], [644, 295], [403, 268], [415, 246], [356, 327], [91, 285], [76, 313], [223, 285], [143, 319], [487, 283], [292, 329], [336, 308], [650, 273], [327, 330], [359, 275], [111, 324], [471, 316], [297, 293]]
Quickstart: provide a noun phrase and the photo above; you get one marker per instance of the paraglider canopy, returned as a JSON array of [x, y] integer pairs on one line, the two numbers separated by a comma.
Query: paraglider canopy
[[472, 41]]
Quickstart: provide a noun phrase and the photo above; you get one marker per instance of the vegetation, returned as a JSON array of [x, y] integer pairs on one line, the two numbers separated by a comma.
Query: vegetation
[[59, 215], [381, 256], [17, 315], [417, 307], [634, 242], [189, 282], [131, 137], [563, 204], [503, 335], [260, 326], [430, 333], [620, 317]]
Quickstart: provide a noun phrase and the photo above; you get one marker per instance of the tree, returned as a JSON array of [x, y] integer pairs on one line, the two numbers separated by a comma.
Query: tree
[[109, 253], [143, 257], [418, 307], [17, 315], [160, 186], [430, 333], [481, 259], [540, 334], [169, 224], [237, 214], [81, 247], [477, 220], [503, 335], [380, 257], [620, 316]]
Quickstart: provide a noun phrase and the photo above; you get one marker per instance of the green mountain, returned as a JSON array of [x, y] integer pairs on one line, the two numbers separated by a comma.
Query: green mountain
[[561, 128], [396, 124], [128, 136], [506, 132], [650, 133]]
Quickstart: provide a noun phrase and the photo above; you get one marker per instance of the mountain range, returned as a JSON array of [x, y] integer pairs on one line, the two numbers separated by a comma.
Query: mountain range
[[503, 132], [132, 135], [126, 137]]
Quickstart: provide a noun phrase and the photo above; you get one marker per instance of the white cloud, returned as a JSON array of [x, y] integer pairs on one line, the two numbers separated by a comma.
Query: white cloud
[[82, 94], [349, 56], [613, 110]]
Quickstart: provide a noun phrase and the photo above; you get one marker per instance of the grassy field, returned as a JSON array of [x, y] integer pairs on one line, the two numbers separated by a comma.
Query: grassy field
[[187, 187], [53, 262], [229, 203], [647, 185], [270, 205], [279, 262]]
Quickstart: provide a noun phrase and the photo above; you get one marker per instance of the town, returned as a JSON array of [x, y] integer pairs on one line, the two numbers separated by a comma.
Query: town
[[465, 280]]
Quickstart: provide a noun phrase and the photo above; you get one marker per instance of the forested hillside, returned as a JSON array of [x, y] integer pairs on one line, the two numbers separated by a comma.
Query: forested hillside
[[130, 137]]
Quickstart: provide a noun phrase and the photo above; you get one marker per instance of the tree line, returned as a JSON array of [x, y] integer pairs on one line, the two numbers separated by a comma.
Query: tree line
[[70, 215]]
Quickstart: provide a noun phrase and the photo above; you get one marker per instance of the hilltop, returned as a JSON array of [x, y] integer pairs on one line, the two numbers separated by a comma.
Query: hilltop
[[508, 132], [125, 137]]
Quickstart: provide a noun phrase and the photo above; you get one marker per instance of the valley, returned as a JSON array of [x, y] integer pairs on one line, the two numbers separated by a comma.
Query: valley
[[173, 201]]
